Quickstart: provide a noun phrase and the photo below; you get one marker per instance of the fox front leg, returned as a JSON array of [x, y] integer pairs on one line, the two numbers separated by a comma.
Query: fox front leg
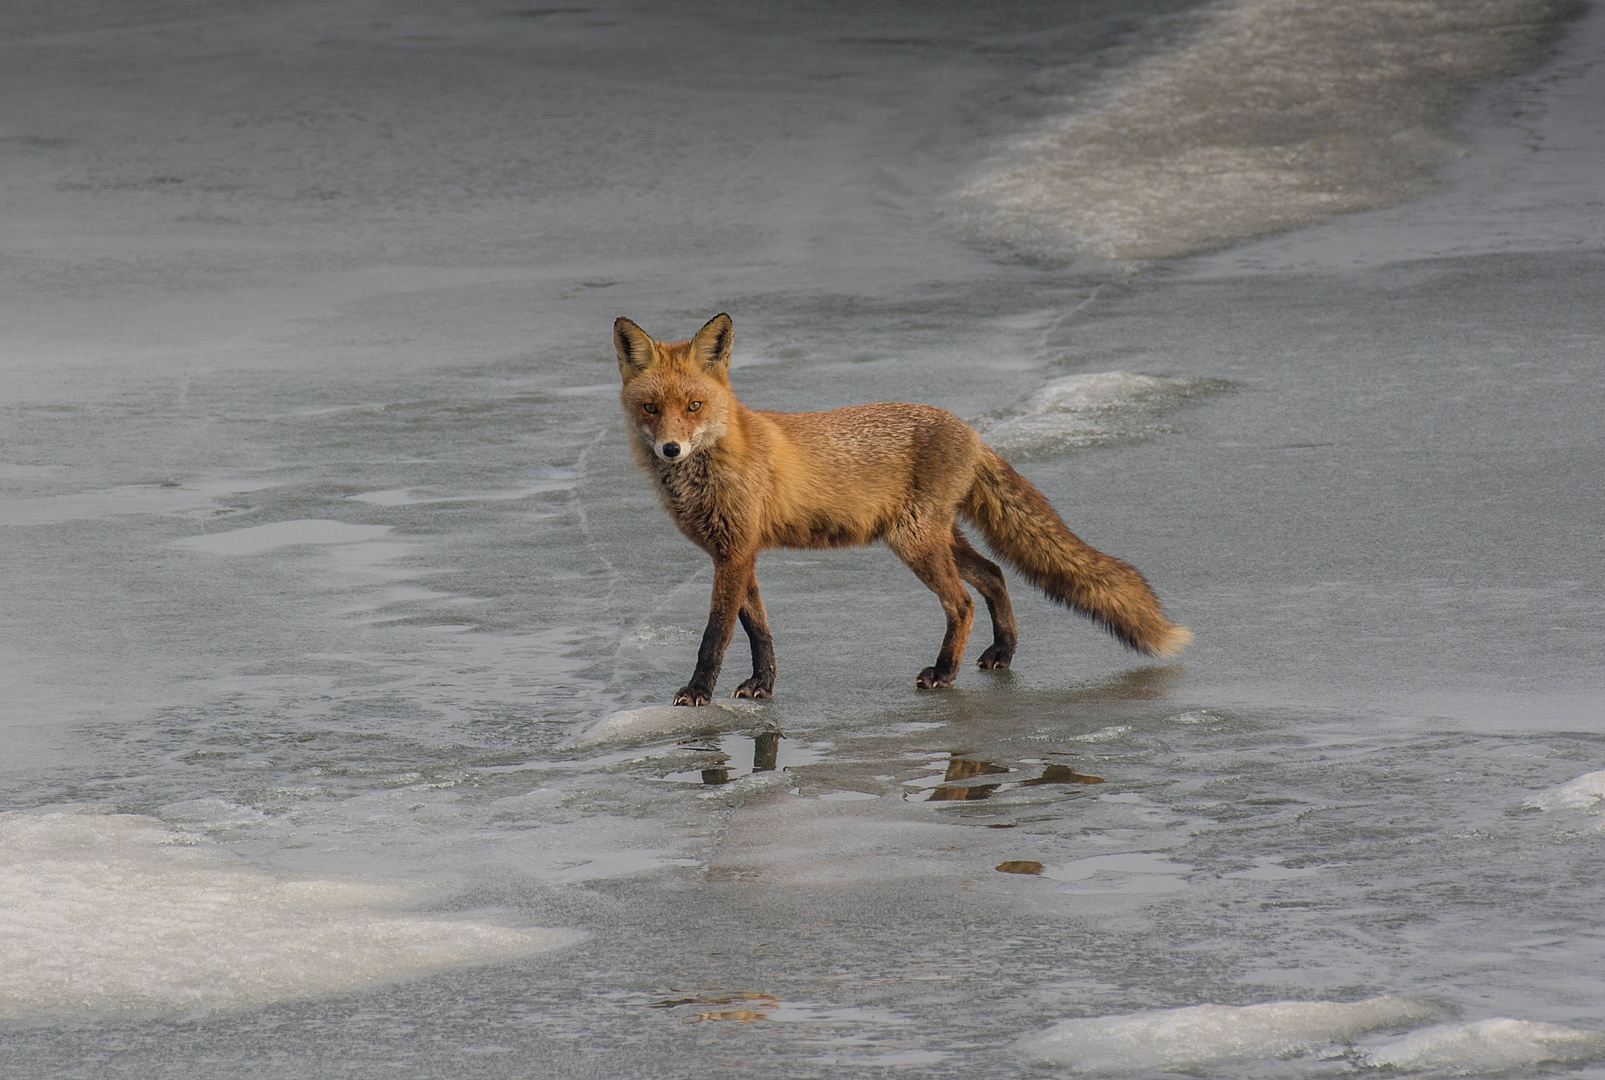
[[756, 624], [730, 582]]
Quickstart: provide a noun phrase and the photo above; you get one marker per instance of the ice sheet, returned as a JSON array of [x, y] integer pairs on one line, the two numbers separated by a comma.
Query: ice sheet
[[1584, 793], [1497, 1045], [1266, 114], [114, 912], [658, 721], [1203, 1035]]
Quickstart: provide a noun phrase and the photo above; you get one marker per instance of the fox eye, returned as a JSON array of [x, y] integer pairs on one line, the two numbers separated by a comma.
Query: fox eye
[[650, 409], [694, 406]]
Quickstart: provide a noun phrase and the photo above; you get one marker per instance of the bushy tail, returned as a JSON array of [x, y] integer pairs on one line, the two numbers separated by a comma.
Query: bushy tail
[[1029, 535]]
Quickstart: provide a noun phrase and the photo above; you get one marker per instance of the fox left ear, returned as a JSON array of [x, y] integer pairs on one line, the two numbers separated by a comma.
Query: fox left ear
[[711, 346]]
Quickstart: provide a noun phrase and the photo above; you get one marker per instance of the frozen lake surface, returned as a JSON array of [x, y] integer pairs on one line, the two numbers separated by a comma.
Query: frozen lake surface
[[338, 630]]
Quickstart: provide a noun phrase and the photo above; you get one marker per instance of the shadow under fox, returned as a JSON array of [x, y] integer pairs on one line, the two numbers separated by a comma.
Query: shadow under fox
[[738, 481]]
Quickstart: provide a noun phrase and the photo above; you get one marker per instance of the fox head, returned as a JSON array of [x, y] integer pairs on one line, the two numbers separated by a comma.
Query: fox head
[[676, 394]]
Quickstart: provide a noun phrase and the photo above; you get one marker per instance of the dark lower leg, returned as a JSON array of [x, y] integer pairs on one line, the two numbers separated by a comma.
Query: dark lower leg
[[756, 624], [730, 581], [987, 578], [942, 674]]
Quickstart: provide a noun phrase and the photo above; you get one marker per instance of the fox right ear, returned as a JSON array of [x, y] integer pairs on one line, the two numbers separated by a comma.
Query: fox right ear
[[633, 346]]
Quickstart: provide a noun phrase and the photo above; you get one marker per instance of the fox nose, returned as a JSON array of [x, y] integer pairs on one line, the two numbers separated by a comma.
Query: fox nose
[[671, 450]]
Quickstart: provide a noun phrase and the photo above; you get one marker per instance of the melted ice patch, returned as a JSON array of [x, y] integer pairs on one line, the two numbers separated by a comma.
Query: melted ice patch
[[189, 498], [1089, 410], [1205, 1034], [115, 912], [1496, 1045], [260, 538], [1584, 793], [1260, 116]]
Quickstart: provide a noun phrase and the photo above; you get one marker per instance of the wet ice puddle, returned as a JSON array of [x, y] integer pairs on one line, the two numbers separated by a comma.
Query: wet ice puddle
[[734, 757], [967, 779]]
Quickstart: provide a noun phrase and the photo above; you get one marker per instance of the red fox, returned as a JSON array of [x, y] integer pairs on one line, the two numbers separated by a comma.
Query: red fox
[[738, 481]]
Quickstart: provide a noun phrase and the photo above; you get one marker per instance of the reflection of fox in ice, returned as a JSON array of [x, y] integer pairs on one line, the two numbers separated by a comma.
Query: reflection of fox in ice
[[738, 481]]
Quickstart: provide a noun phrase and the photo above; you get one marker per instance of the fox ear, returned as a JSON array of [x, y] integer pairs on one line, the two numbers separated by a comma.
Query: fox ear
[[711, 346], [633, 346]]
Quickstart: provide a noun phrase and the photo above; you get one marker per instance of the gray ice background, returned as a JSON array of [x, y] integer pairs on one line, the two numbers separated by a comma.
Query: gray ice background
[[278, 265]]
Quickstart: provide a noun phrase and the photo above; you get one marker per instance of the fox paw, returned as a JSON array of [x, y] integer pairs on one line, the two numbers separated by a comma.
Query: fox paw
[[934, 679], [755, 687], [996, 658], [692, 695]]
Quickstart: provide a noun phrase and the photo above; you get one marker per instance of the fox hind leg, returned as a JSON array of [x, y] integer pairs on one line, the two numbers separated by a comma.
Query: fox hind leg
[[933, 563], [756, 623], [987, 578]]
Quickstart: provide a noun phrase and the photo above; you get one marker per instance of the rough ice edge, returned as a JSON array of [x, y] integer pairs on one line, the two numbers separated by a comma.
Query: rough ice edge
[[1495, 1045], [1583, 793], [655, 721], [1203, 1034]]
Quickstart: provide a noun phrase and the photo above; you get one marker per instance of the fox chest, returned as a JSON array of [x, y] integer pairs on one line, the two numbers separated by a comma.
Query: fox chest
[[711, 513]]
